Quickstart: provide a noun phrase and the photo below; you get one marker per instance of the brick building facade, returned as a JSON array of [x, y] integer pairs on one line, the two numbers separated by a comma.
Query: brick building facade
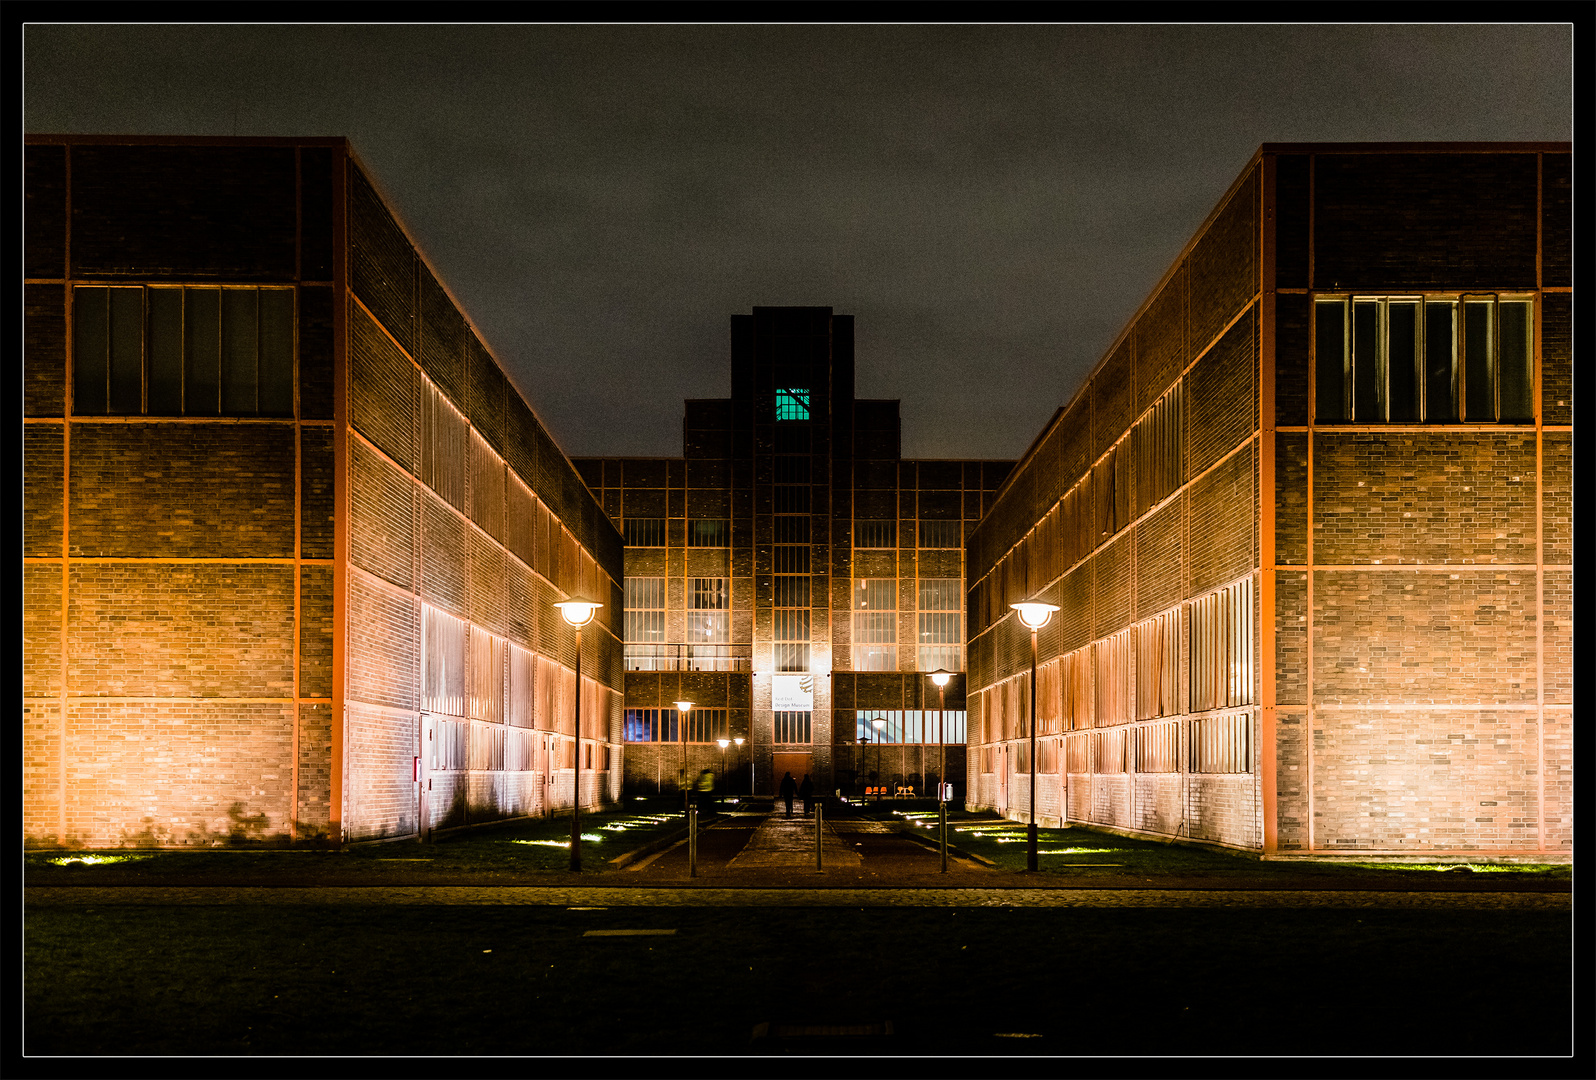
[[793, 577], [1308, 525], [291, 536]]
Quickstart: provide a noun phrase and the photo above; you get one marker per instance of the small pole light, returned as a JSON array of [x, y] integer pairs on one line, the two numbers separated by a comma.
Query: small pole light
[[578, 612], [1035, 615]]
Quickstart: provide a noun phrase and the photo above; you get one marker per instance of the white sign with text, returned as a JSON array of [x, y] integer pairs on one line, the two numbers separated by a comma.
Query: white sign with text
[[793, 693]]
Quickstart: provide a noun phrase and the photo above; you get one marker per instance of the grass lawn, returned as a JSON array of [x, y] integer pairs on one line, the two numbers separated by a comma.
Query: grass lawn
[[1083, 852], [528, 980], [517, 848]]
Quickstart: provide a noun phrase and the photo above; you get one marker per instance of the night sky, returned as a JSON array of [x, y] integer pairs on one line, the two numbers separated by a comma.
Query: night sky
[[991, 203]]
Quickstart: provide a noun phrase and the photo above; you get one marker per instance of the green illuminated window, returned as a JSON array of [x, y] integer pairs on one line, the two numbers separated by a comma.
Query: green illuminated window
[[792, 403]]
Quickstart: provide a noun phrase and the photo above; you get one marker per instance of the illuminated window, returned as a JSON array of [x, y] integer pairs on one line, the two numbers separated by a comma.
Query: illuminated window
[[792, 727], [1157, 666], [1221, 744], [182, 351], [1221, 635], [940, 624], [940, 534], [875, 624], [792, 403], [709, 621], [645, 609], [913, 726]]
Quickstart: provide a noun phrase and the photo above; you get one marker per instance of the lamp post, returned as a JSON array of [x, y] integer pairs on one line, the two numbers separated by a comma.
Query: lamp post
[[739, 743], [578, 612], [941, 678], [724, 743], [879, 723], [683, 708], [1034, 615]]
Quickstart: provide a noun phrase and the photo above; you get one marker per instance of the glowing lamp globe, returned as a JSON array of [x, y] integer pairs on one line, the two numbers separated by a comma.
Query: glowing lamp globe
[[1033, 614], [577, 611]]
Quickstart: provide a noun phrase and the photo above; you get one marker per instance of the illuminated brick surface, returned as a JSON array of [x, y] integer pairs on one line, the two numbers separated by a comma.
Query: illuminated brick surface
[[1413, 663], [222, 615]]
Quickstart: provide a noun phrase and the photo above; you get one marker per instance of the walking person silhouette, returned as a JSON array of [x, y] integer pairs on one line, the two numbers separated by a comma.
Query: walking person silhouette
[[788, 789]]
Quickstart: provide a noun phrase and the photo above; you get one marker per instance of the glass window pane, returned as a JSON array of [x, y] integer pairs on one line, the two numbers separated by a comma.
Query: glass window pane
[[791, 530], [876, 594], [1330, 394], [711, 594], [1513, 361], [792, 591], [91, 344], [708, 532], [941, 594], [166, 352], [1440, 352], [790, 499], [1479, 394], [240, 341], [709, 627], [792, 403], [201, 351], [645, 532], [879, 533], [1402, 327], [791, 560], [127, 351], [277, 352], [1367, 377]]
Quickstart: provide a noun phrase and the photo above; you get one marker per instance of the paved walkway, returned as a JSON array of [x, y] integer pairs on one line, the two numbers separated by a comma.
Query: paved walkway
[[785, 842]]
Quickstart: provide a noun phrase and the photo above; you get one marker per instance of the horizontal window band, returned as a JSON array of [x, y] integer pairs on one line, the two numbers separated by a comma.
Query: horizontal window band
[[167, 560], [79, 698], [1399, 706], [1521, 568], [277, 421], [87, 419], [1523, 426]]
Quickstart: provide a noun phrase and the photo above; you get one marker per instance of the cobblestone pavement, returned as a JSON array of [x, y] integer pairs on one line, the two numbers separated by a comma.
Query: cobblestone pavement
[[605, 896], [780, 841]]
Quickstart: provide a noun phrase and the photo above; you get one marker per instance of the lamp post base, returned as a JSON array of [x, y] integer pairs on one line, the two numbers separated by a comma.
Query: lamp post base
[[1030, 845]]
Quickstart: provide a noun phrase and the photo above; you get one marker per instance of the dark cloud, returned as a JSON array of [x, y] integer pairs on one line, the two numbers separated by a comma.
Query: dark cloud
[[991, 203]]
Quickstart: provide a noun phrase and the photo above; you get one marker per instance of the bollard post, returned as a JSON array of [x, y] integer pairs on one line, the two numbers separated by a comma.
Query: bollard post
[[692, 841], [820, 808], [942, 814]]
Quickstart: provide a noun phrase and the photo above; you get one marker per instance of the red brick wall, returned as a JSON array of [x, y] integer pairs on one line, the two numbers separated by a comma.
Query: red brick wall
[[197, 629]]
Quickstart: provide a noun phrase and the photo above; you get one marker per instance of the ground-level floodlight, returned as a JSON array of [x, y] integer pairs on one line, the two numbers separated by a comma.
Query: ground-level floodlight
[[578, 612]]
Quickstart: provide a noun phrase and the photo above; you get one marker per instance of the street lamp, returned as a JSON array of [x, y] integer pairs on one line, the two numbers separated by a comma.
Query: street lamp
[[578, 612], [683, 707], [941, 678], [1035, 616], [724, 743], [738, 740], [879, 723]]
